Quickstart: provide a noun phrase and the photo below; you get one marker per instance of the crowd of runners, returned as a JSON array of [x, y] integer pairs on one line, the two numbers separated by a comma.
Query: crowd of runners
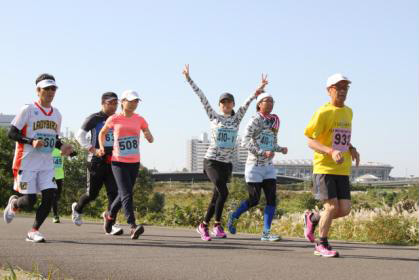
[[113, 143]]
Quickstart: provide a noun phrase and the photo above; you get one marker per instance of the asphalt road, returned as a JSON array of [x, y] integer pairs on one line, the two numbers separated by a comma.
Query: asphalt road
[[166, 253]]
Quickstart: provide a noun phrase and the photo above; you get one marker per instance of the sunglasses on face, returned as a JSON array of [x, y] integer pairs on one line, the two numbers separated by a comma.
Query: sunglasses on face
[[52, 88], [341, 87], [112, 102]]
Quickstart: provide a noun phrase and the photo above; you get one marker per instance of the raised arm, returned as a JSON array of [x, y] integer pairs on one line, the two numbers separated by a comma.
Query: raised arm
[[242, 110], [210, 112]]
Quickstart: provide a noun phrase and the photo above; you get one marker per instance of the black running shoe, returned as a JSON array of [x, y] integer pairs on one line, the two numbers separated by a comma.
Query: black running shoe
[[137, 231], [107, 222]]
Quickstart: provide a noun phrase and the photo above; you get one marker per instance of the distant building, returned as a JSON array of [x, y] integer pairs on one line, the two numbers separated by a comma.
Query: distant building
[[304, 169], [366, 178], [5, 120], [195, 152], [196, 149]]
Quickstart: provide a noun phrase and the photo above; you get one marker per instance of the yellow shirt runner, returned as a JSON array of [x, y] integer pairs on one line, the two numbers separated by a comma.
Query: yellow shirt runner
[[331, 126]]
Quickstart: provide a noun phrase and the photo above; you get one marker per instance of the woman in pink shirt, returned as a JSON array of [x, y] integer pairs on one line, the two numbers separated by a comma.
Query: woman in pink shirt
[[126, 126]]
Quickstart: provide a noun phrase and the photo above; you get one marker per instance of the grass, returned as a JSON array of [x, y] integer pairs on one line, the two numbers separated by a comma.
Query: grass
[[383, 216], [9, 272]]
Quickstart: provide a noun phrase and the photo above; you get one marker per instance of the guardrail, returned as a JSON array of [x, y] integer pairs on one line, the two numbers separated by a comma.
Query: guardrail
[[201, 177], [388, 183]]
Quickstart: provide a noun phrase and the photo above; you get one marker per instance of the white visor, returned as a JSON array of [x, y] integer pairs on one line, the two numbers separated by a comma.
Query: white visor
[[46, 83], [262, 96]]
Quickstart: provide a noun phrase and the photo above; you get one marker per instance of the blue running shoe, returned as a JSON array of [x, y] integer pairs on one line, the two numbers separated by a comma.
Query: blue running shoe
[[231, 223]]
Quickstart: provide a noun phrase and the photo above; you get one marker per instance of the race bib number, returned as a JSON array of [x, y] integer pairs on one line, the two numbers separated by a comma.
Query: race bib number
[[129, 145], [58, 162], [49, 142], [266, 142], [341, 139], [109, 138], [226, 137]]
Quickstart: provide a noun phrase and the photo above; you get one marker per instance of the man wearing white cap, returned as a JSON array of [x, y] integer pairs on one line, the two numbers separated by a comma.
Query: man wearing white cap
[[329, 135], [36, 129], [260, 139]]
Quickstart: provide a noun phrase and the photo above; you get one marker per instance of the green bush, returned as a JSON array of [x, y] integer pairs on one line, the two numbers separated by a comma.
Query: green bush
[[156, 203]]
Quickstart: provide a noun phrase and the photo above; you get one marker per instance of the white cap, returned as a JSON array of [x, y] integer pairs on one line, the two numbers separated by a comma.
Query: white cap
[[46, 83], [130, 95], [263, 95], [336, 78]]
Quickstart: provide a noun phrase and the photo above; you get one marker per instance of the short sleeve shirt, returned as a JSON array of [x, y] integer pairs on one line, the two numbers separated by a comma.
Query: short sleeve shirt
[[126, 131], [332, 127]]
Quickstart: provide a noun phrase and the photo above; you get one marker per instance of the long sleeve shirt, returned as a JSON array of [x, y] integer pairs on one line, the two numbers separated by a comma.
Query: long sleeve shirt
[[224, 129], [260, 136]]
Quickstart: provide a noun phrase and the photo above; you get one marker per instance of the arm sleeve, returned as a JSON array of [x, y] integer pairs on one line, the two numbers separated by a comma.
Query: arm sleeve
[[248, 139], [82, 139], [17, 135], [277, 148], [210, 112], [242, 110], [85, 128]]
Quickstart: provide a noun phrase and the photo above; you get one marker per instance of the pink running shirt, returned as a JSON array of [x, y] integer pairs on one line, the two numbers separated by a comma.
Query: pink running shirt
[[126, 131]]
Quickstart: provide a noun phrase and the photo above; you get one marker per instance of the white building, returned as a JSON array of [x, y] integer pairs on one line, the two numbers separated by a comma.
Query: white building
[[304, 169], [196, 149], [5, 120]]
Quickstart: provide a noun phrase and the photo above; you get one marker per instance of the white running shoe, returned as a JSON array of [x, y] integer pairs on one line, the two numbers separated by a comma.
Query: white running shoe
[[75, 216], [9, 213], [116, 230], [267, 236], [35, 236]]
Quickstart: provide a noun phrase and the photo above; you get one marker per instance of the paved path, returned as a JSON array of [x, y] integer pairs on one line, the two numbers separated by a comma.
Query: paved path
[[165, 253]]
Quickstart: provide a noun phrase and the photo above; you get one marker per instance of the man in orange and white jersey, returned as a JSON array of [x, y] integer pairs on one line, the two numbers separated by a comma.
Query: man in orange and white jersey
[[36, 129]]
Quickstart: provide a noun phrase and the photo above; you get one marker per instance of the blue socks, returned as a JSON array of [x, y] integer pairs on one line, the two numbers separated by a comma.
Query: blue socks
[[268, 217], [243, 207]]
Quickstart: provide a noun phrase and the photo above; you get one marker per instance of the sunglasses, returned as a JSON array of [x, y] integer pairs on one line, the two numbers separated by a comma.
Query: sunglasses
[[341, 87], [112, 102], [52, 88]]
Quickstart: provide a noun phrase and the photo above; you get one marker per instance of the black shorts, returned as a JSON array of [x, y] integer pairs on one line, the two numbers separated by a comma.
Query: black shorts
[[328, 186]]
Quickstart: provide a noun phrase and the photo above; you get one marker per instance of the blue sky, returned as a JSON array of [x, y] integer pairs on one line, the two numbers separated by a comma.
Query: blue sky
[[96, 46]]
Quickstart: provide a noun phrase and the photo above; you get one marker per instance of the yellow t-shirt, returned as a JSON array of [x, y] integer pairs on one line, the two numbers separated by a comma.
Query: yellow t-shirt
[[331, 126]]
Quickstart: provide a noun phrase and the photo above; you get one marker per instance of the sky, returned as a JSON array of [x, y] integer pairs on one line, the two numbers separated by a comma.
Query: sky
[[96, 46]]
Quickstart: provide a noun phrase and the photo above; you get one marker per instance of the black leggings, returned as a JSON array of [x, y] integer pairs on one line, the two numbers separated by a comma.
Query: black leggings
[[99, 173], [125, 176], [219, 173], [57, 195], [27, 202], [255, 189]]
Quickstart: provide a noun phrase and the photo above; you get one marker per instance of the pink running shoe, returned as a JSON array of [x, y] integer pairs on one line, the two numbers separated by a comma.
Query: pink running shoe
[[308, 227], [218, 232], [203, 231], [320, 250]]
